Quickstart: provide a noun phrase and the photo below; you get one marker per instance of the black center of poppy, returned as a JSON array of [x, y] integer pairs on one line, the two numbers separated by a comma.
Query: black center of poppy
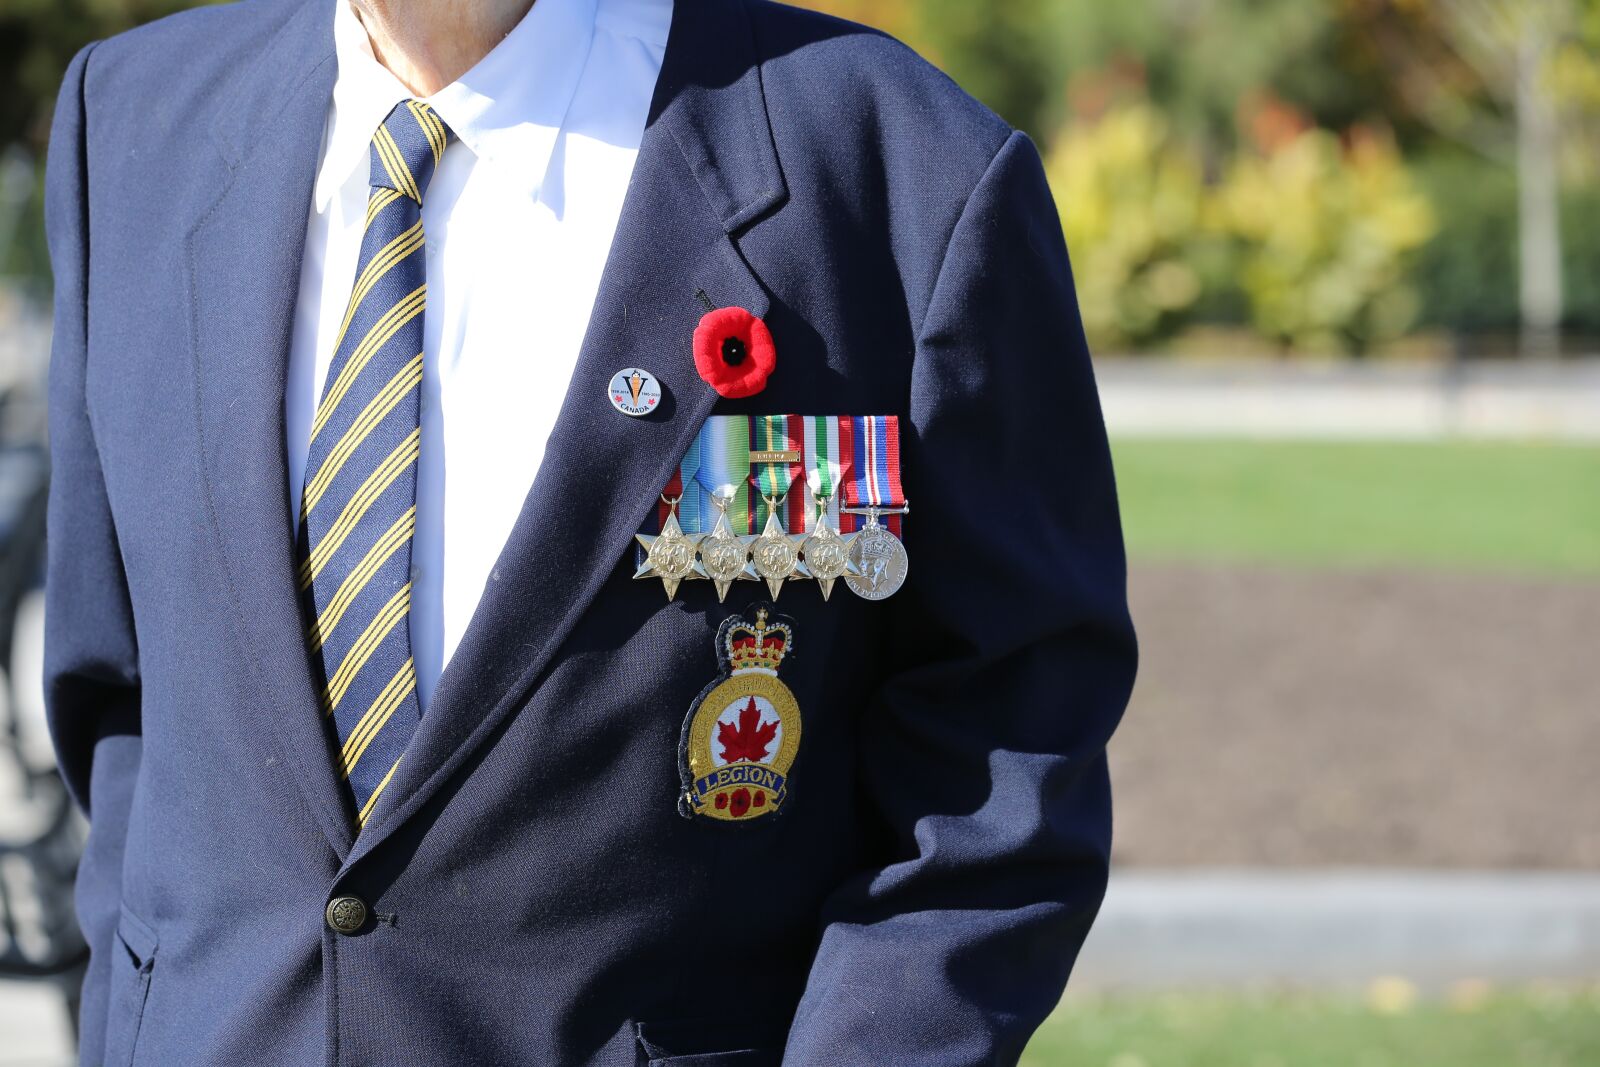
[[733, 351]]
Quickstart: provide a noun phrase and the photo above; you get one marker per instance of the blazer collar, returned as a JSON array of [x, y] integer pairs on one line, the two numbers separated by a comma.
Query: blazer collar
[[297, 59], [706, 169], [244, 271], [709, 98]]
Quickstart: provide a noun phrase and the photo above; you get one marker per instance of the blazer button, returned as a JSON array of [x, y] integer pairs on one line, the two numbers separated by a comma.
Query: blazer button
[[346, 915]]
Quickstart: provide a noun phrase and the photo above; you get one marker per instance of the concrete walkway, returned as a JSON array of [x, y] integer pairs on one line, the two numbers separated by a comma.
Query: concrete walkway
[[1306, 399], [1342, 928]]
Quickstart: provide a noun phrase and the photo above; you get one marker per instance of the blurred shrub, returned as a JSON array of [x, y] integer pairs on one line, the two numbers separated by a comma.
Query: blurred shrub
[[1310, 237], [1324, 233], [1130, 199]]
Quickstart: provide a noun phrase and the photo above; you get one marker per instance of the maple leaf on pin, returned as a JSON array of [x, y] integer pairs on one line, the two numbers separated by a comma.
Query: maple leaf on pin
[[750, 739]]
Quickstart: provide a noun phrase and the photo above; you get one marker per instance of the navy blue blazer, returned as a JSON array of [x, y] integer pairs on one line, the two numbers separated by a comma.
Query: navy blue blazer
[[538, 899]]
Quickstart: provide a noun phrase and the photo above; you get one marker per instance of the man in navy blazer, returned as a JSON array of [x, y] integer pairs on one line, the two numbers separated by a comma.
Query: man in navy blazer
[[529, 892]]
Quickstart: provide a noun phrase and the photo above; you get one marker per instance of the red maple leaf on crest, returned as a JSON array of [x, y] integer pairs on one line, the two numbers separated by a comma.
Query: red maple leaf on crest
[[748, 740]]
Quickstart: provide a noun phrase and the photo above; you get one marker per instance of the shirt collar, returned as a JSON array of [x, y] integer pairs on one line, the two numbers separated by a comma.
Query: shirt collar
[[508, 109]]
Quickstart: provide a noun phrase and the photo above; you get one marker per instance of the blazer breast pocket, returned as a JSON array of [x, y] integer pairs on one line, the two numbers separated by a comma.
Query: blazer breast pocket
[[132, 965], [712, 1043]]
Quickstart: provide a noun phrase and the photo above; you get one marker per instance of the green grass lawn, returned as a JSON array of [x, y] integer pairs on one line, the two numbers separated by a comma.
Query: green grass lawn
[[1483, 506], [1552, 1028]]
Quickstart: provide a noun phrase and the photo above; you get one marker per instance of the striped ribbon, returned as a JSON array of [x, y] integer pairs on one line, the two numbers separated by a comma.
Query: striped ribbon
[[852, 460], [873, 444], [691, 498], [725, 467], [823, 467], [777, 433]]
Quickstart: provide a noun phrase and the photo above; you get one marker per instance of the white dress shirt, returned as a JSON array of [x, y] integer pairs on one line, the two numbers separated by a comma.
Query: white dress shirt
[[519, 220]]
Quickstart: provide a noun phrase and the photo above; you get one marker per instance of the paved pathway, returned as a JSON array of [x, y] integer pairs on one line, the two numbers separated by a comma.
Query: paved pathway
[[1337, 928], [1351, 400]]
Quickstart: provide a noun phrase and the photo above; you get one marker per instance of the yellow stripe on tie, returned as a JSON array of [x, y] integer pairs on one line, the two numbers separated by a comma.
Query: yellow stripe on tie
[[379, 265], [419, 112], [439, 131], [404, 454], [386, 327], [391, 613], [372, 801], [389, 156], [376, 717], [398, 388], [356, 580], [395, 163], [428, 119], [381, 198], [394, 692]]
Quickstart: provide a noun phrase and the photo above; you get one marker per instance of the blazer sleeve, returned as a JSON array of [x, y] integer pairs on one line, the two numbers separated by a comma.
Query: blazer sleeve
[[1012, 656], [91, 671]]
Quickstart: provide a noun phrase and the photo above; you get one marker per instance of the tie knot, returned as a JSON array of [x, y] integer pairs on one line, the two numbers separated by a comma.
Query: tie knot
[[407, 148]]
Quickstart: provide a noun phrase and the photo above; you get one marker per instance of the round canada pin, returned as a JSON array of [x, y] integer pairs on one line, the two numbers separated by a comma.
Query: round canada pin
[[634, 391]]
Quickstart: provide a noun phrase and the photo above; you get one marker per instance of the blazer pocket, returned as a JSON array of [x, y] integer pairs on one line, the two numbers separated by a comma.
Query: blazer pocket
[[133, 962], [712, 1043], [750, 1057]]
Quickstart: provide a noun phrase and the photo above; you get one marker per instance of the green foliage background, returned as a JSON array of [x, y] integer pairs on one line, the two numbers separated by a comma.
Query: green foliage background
[[1226, 81], [1219, 74]]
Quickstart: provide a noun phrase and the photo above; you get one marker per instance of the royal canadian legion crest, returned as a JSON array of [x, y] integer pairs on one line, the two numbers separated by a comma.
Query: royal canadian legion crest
[[743, 730]]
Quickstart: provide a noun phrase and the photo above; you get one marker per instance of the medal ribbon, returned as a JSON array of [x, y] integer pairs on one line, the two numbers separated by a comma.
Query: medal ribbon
[[853, 461], [771, 433], [873, 443], [725, 468], [684, 485], [823, 469]]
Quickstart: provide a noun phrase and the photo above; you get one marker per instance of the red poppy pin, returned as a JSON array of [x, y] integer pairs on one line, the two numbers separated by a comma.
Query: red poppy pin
[[733, 352]]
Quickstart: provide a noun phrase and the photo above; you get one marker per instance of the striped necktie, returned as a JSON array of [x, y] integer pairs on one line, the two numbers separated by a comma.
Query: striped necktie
[[359, 508]]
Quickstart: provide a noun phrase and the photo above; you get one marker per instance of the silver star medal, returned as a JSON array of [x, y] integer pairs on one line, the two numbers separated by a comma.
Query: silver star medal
[[879, 556], [827, 551], [775, 554], [724, 555], [669, 555]]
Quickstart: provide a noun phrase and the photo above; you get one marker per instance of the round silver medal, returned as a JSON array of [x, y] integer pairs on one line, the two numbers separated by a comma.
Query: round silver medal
[[881, 561], [634, 391]]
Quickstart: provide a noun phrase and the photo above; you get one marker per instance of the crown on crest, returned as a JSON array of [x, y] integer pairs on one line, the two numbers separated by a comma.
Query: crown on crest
[[757, 648]]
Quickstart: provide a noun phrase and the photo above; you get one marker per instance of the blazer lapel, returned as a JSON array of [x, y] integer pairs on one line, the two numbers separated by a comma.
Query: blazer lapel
[[705, 169], [244, 262]]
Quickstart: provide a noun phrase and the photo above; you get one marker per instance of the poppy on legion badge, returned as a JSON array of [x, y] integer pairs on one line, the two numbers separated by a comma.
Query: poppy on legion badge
[[743, 730]]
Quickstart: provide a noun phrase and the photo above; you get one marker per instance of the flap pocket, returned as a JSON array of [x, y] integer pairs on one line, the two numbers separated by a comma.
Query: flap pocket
[[714, 1042], [130, 987], [743, 1058], [138, 937]]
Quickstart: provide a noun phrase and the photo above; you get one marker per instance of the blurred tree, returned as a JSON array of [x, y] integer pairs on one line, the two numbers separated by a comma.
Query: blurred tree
[[1466, 273], [1002, 51], [1201, 59], [1490, 74]]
